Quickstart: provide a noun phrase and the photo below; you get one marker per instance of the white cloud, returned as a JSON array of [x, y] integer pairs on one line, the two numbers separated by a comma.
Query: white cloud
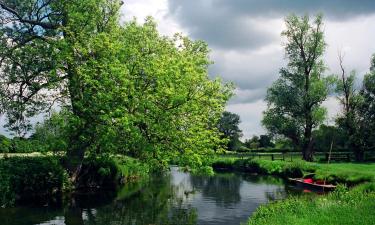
[[251, 116], [158, 9], [355, 38]]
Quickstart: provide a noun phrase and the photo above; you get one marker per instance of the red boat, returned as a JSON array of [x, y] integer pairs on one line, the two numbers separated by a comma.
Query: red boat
[[309, 183]]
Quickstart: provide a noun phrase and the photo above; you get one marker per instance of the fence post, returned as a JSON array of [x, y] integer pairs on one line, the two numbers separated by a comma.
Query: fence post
[[272, 157]]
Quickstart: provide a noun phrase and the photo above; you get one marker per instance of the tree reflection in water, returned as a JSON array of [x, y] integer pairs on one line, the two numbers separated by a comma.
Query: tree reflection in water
[[169, 199], [224, 189], [151, 205]]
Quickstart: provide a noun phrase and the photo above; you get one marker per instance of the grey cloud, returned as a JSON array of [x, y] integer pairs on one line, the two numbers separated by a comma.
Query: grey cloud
[[218, 26], [251, 72], [333, 9], [247, 95], [223, 24]]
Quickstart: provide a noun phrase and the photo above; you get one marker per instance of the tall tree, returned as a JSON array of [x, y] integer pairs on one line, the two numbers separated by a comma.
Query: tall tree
[[294, 100], [350, 100], [125, 87], [228, 126], [366, 111], [47, 48]]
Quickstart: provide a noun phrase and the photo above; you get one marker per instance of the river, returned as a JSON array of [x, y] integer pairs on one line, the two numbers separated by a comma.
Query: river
[[175, 198]]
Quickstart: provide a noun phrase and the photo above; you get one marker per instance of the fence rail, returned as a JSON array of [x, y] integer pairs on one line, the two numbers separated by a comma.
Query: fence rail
[[290, 156]]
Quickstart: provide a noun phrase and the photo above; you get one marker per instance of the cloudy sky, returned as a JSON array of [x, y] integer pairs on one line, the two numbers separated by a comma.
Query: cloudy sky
[[244, 36]]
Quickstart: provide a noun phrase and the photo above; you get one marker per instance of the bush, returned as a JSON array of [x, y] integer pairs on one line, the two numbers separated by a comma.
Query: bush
[[108, 172], [23, 145], [5, 144], [98, 172], [29, 177]]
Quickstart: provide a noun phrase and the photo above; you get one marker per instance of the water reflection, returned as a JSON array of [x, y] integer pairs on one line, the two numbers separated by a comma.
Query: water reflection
[[174, 199], [224, 189]]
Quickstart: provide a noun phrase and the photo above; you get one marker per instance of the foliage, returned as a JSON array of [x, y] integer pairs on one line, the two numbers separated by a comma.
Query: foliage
[[25, 145], [348, 120], [347, 173], [294, 100], [24, 178], [5, 144], [252, 143], [284, 144], [263, 142], [52, 132], [327, 135], [128, 89], [366, 112], [228, 126], [334, 208], [29, 177], [131, 169]]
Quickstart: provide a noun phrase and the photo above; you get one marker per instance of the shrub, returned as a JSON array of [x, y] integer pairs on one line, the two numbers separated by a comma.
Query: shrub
[[30, 177], [98, 172], [5, 144]]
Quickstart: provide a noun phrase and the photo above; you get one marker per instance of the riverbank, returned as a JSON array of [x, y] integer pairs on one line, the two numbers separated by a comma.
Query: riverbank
[[339, 173], [43, 178], [343, 206]]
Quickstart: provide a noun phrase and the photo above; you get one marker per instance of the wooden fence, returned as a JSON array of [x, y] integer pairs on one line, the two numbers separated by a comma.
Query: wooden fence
[[290, 156]]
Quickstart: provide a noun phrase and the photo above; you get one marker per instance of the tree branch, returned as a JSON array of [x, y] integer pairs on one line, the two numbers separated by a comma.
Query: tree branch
[[48, 26]]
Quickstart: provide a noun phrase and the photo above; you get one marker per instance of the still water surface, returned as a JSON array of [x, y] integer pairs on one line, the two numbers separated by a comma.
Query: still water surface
[[175, 198]]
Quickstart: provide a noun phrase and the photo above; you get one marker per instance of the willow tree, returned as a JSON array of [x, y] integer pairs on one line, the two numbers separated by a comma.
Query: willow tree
[[294, 100], [125, 87]]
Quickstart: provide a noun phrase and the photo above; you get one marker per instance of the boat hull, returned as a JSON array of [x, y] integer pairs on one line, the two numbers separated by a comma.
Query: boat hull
[[312, 186]]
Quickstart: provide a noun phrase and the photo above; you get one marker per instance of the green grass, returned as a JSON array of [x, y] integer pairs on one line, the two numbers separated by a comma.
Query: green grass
[[347, 173], [350, 173], [342, 207]]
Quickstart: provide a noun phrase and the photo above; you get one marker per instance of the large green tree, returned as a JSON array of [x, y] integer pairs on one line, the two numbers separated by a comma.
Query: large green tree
[[127, 88], [46, 49], [294, 100]]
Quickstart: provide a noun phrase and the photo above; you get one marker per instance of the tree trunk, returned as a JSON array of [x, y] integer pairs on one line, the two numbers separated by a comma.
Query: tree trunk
[[77, 147], [307, 148], [74, 159], [359, 154]]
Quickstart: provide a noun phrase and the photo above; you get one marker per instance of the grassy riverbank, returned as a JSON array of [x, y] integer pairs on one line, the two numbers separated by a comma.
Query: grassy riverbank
[[346, 173], [342, 207], [43, 177]]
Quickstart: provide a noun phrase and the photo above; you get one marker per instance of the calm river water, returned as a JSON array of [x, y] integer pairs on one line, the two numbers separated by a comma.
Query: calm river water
[[176, 198]]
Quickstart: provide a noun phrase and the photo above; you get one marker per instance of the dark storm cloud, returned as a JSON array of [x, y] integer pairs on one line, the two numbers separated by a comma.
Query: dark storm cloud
[[223, 24], [237, 30], [220, 26], [333, 9]]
